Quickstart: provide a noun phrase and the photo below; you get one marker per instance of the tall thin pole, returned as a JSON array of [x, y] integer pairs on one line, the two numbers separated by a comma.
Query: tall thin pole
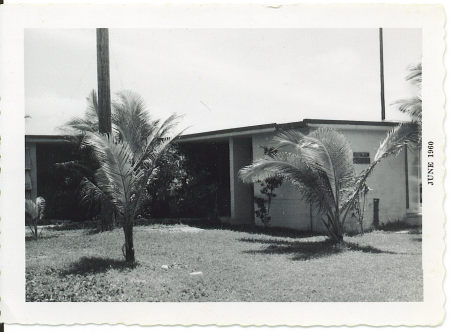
[[104, 94], [406, 176], [383, 106], [104, 111]]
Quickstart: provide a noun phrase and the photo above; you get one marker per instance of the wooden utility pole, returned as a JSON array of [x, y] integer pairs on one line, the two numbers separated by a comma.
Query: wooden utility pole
[[104, 94], [104, 111], [383, 106]]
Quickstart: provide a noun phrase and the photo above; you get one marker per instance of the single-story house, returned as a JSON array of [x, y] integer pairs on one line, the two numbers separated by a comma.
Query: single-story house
[[395, 184]]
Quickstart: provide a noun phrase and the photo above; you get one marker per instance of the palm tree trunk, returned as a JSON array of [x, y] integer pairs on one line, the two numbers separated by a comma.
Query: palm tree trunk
[[129, 247], [336, 232], [362, 214], [36, 229]]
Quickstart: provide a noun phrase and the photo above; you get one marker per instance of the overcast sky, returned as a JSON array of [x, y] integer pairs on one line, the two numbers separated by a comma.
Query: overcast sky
[[222, 78]]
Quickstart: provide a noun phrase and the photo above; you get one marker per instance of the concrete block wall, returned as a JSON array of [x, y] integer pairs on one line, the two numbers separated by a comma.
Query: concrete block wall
[[388, 181], [287, 209], [415, 173]]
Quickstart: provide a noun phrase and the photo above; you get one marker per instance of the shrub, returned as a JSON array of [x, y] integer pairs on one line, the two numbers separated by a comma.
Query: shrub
[[34, 212]]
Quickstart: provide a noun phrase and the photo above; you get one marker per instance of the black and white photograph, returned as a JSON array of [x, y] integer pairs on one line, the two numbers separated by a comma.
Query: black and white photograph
[[223, 165], [233, 166]]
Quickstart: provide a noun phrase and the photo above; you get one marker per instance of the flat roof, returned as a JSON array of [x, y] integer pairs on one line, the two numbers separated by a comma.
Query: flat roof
[[239, 131], [48, 138], [271, 127], [352, 122]]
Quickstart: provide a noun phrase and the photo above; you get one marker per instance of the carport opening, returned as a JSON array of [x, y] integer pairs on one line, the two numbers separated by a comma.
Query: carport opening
[[208, 193]]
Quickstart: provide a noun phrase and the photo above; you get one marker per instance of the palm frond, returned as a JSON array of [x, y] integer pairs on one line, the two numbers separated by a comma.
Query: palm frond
[[157, 143], [131, 119], [31, 210], [40, 203], [145, 165], [320, 167], [415, 74], [114, 176], [412, 107], [74, 166], [296, 168], [290, 139], [167, 126], [92, 106], [396, 138], [89, 192], [312, 151], [35, 209], [82, 125], [325, 150], [87, 123], [337, 160]]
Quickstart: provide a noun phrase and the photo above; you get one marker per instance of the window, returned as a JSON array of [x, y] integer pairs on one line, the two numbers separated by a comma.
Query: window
[[361, 158]]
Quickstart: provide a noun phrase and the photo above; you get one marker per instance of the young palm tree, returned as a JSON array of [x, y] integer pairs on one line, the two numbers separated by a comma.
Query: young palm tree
[[320, 166], [127, 158]]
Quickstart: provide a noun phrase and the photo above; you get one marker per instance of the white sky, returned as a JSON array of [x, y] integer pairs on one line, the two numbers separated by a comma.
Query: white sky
[[222, 78]]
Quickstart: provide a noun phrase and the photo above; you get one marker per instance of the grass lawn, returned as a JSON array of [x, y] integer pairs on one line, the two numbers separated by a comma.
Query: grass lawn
[[236, 266]]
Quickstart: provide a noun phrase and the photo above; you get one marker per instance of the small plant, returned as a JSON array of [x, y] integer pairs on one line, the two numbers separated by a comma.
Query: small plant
[[34, 212], [268, 187]]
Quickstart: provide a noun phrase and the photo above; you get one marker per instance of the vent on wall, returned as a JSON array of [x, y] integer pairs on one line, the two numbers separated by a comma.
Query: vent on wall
[[361, 158]]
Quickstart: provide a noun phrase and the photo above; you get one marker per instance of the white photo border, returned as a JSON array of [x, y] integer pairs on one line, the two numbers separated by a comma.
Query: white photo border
[[13, 22]]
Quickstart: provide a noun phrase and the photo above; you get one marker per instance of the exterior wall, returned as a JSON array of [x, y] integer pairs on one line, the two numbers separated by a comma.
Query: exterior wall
[[287, 208], [388, 183], [414, 209], [241, 194], [414, 170]]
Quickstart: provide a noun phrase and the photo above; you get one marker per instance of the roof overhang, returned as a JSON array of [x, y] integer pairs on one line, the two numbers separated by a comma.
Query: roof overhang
[[225, 134], [48, 139], [220, 135], [350, 124]]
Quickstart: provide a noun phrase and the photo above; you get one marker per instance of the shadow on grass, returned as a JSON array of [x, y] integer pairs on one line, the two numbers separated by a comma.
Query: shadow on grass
[[92, 265], [94, 231], [400, 226], [309, 250], [253, 229], [40, 238]]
